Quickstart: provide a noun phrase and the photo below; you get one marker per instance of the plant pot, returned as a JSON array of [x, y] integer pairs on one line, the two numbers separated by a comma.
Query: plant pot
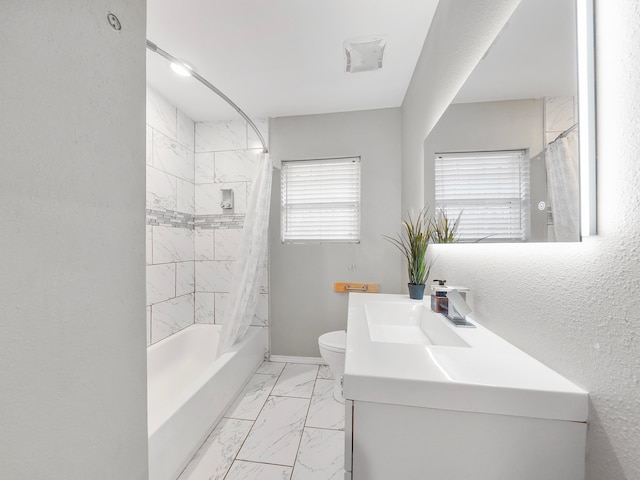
[[416, 291]]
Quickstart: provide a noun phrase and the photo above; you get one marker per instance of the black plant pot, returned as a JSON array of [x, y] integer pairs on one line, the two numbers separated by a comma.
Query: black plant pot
[[416, 291]]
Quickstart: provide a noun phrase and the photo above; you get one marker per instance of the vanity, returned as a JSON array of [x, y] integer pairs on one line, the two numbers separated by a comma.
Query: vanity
[[428, 400]]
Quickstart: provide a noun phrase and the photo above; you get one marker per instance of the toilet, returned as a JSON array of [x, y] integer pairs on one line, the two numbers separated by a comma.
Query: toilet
[[332, 349]]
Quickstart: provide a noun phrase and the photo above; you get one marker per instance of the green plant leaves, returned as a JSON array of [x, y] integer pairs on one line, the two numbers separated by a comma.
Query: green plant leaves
[[413, 242], [443, 229]]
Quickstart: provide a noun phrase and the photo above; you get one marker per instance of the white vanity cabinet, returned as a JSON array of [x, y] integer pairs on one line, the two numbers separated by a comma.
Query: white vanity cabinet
[[401, 442], [348, 440], [441, 408]]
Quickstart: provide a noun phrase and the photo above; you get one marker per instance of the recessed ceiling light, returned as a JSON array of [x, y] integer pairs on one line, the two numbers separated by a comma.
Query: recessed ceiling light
[[181, 69], [363, 54]]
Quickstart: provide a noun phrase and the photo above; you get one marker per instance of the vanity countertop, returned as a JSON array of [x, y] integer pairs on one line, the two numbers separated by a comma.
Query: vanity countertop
[[401, 352]]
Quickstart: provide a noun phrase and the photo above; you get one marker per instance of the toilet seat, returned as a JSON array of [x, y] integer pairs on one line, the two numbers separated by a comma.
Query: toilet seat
[[334, 341]]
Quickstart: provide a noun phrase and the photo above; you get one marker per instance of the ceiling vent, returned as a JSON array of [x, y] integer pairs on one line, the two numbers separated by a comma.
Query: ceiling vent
[[363, 54]]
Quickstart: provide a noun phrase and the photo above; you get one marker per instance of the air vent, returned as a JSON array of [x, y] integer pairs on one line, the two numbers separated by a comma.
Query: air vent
[[363, 54]]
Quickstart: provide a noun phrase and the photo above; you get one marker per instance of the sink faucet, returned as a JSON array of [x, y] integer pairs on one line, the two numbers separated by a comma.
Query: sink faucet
[[458, 309], [451, 302]]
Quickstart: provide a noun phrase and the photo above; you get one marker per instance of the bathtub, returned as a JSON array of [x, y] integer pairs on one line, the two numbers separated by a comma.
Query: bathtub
[[188, 391]]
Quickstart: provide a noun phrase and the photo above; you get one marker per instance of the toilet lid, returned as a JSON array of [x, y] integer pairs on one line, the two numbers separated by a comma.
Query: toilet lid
[[334, 340]]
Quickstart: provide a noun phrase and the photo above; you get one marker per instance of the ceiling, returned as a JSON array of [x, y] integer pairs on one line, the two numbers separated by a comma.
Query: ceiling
[[534, 56], [286, 57], [283, 57]]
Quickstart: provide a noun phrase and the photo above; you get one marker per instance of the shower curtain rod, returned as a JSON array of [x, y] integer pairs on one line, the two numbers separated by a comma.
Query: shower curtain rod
[[565, 133], [154, 48]]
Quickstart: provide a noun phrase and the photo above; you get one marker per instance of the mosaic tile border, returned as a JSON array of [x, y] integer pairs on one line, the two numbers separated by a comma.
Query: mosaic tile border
[[219, 221], [172, 218]]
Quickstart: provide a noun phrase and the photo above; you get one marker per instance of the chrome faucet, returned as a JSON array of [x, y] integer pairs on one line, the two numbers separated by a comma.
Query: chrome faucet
[[458, 309]]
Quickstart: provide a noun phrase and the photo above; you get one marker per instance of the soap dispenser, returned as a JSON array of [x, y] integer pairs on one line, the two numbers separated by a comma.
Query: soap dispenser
[[439, 300]]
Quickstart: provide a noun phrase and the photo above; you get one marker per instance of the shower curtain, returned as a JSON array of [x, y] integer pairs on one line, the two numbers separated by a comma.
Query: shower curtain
[[251, 264], [563, 187]]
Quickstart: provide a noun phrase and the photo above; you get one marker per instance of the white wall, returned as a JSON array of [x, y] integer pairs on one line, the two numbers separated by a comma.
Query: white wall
[[575, 306], [303, 303], [485, 126], [460, 33], [72, 287]]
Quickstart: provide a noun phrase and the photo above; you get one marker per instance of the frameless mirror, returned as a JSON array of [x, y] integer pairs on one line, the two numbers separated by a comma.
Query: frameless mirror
[[505, 155]]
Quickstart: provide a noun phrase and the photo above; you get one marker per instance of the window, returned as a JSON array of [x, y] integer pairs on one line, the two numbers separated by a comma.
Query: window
[[491, 189], [321, 200]]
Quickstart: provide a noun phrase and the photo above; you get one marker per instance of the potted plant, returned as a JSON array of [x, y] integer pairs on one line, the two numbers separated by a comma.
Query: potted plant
[[443, 229], [413, 242]]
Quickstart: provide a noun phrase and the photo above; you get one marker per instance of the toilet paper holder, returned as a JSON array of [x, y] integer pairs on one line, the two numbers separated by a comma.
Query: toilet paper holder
[[342, 287]]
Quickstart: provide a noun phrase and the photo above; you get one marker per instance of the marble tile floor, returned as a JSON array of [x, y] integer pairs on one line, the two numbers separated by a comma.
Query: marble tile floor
[[284, 425]]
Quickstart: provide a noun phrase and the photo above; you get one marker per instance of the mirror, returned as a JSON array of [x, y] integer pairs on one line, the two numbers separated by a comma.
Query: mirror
[[505, 153]]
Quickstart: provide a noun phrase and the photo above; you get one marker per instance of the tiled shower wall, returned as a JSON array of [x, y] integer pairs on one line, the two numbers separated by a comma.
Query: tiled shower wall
[[170, 219], [191, 242], [225, 158], [560, 113]]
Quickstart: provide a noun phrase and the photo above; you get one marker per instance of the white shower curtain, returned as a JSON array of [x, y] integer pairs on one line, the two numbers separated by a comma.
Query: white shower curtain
[[251, 264], [563, 187]]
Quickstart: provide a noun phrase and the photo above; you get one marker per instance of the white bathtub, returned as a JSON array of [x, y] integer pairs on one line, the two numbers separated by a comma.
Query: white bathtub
[[189, 389]]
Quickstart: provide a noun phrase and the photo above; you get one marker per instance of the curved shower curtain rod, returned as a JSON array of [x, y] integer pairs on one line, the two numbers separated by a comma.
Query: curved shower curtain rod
[[154, 48]]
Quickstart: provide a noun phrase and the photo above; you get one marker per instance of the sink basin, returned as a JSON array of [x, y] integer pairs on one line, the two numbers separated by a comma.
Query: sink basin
[[459, 401], [400, 352], [398, 322]]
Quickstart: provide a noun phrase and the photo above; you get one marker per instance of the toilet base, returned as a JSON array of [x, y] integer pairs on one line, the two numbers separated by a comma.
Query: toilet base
[[332, 349]]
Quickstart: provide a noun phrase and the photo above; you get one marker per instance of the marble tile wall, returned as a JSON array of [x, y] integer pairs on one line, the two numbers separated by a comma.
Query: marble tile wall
[[560, 113], [191, 240], [226, 154], [170, 219]]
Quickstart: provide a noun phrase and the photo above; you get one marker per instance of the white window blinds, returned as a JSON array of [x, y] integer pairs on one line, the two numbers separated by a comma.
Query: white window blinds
[[321, 200], [491, 189]]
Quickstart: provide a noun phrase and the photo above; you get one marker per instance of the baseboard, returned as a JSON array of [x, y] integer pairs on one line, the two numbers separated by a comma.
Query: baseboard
[[288, 359]]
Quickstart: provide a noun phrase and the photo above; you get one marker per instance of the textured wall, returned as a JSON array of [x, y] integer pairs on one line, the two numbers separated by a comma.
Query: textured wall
[[72, 294], [575, 306]]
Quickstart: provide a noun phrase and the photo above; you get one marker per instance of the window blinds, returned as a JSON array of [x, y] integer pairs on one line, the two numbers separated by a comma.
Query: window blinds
[[491, 189], [321, 200]]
